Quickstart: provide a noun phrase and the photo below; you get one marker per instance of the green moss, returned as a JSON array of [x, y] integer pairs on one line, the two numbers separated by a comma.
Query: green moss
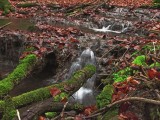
[[104, 98], [50, 114], [2, 104], [140, 60], [122, 75], [32, 96], [157, 64], [19, 73], [79, 76], [9, 109], [78, 106], [5, 6], [60, 97]]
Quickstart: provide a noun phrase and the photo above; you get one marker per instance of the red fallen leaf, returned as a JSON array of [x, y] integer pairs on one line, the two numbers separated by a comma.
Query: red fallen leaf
[[41, 118], [128, 115], [47, 41], [128, 56], [132, 81], [152, 35], [63, 39], [24, 55], [61, 45], [36, 52], [43, 49], [64, 100], [54, 91], [137, 47], [117, 96], [124, 107], [57, 42], [37, 46], [158, 75], [73, 40], [78, 117], [152, 73], [122, 86], [88, 110]]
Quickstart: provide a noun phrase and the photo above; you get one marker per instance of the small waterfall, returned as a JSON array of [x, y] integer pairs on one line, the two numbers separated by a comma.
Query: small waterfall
[[75, 66], [85, 94], [124, 29], [87, 57]]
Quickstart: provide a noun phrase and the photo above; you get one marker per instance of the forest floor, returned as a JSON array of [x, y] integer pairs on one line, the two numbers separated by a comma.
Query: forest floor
[[112, 31]]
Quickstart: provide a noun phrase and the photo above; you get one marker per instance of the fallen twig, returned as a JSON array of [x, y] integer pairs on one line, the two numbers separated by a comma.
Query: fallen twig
[[146, 100], [18, 114], [62, 113], [106, 108], [5, 25]]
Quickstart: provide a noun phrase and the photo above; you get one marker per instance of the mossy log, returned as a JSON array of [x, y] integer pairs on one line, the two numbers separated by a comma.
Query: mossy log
[[67, 88], [21, 71], [29, 112]]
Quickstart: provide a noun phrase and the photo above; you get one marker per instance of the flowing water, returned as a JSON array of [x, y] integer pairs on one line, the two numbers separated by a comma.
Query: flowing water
[[85, 95]]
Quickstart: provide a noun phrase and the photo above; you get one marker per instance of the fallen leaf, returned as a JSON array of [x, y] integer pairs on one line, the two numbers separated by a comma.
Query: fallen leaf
[[88, 110], [64, 100], [158, 75], [151, 73], [128, 115], [78, 117], [41, 118], [124, 106], [55, 91], [43, 49]]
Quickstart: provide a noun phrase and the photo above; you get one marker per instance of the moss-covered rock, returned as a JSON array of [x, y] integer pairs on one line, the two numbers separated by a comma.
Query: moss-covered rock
[[24, 67]]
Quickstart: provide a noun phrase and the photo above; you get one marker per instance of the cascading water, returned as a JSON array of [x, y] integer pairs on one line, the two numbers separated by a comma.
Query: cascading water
[[85, 95], [124, 28]]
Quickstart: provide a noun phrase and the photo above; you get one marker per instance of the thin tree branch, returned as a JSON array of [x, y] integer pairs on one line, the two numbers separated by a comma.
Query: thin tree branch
[[5, 25], [106, 108]]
